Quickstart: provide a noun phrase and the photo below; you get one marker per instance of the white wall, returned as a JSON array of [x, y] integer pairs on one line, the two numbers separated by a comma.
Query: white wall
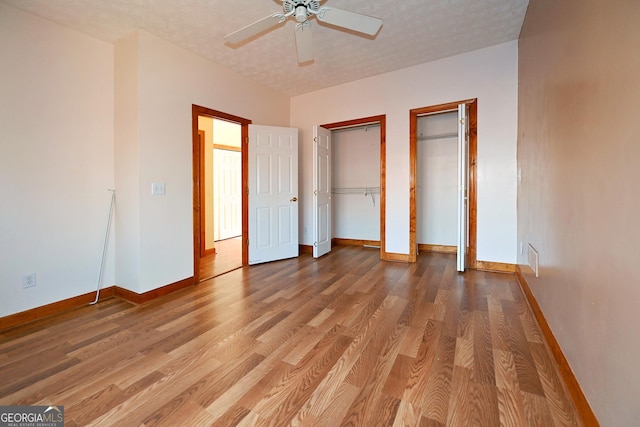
[[170, 80], [356, 163], [56, 160], [491, 76]]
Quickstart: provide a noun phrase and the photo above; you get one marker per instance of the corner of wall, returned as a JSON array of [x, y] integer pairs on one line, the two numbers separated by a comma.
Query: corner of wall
[[126, 162]]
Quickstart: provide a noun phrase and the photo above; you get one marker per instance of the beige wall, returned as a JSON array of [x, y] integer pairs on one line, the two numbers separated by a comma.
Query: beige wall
[[578, 198], [227, 133]]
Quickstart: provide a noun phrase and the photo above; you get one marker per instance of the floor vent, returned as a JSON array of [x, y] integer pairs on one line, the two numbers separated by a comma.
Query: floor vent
[[534, 259]]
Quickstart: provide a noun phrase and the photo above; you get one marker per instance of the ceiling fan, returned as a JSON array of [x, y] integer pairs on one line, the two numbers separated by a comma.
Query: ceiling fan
[[302, 11]]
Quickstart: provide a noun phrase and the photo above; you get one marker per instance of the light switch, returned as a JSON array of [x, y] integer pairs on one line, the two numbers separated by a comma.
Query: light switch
[[157, 188]]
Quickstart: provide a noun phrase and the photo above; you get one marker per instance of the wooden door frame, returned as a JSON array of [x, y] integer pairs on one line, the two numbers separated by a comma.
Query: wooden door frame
[[198, 172], [473, 179], [382, 121]]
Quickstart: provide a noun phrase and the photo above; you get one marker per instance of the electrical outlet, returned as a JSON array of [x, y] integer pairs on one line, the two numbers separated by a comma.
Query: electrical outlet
[[157, 188], [29, 280]]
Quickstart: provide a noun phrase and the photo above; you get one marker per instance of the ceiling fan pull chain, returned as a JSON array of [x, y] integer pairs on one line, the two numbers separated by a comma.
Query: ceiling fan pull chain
[[300, 25]]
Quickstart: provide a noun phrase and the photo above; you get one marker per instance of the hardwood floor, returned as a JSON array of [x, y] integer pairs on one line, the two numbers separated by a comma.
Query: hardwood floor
[[343, 340], [228, 257]]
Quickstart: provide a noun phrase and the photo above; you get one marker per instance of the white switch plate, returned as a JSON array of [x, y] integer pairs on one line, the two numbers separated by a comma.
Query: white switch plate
[[157, 188], [29, 280]]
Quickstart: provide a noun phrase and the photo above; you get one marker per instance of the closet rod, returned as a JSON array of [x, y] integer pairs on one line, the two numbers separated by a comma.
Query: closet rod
[[365, 191], [440, 136], [365, 127]]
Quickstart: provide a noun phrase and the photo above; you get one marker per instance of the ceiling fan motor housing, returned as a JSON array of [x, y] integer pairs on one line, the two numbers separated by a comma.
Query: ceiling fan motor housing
[[301, 9], [301, 13]]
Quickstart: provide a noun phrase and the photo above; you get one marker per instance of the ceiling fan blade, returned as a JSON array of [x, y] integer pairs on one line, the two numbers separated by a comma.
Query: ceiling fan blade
[[304, 42], [350, 20], [253, 29]]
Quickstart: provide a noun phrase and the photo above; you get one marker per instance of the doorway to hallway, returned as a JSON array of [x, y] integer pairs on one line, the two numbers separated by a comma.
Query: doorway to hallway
[[220, 206]]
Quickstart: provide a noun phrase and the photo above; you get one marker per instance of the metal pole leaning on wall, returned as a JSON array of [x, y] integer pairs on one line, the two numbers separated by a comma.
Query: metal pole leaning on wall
[[104, 247]]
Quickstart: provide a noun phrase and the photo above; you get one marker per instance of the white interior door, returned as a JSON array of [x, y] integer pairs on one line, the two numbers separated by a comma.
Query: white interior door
[[227, 191], [273, 193], [463, 150], [321, 191]]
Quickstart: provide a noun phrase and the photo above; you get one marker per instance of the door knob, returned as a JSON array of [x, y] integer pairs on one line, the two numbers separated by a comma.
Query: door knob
[[294, 199]]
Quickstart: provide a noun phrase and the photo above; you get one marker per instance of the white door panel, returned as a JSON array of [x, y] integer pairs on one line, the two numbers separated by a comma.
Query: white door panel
[[321, 191], [227, 190], [273, 193]]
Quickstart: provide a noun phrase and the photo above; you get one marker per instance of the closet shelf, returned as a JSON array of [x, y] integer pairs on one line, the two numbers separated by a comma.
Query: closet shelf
[[356, 190]]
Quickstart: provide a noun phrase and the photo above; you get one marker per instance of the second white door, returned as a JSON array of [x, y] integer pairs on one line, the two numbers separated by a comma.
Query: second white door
[[273, 193], [321, 191]]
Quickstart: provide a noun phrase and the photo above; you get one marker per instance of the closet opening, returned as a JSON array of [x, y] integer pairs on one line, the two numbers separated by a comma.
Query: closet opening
[[436, 188], [356, 186], [443, 152]]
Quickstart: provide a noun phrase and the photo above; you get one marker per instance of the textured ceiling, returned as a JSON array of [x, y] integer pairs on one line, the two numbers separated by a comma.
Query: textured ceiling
[[414, 32]]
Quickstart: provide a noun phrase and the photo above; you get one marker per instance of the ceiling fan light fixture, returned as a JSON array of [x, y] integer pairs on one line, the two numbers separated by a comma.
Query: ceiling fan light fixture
[[301, 13]]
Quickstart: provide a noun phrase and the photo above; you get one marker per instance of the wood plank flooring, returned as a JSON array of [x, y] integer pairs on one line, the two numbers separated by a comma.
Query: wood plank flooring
[[344, 340], [228, 257]]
